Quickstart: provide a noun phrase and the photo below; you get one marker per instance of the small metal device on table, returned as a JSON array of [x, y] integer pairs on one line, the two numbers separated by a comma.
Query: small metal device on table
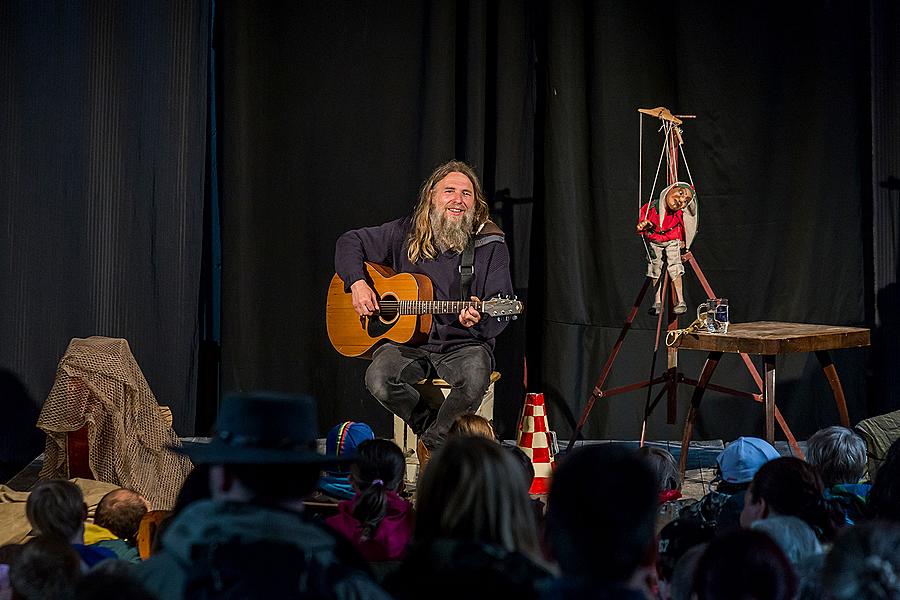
[[769, 339]]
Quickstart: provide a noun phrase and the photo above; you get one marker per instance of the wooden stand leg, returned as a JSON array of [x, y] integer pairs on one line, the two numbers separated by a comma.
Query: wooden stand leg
[[836, 388], [712, 361], [769, 397]]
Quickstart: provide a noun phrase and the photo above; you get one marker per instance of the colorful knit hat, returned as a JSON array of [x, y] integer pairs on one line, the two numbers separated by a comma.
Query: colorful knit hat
[[343, 439]]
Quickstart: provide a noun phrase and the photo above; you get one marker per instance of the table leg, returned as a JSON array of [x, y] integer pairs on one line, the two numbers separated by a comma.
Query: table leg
[[712, 361], [835, 382], [769, 397]]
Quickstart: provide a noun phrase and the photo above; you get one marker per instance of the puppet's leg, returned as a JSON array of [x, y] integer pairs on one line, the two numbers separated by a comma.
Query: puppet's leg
[[678, 284], [676, 270], [654, 270]]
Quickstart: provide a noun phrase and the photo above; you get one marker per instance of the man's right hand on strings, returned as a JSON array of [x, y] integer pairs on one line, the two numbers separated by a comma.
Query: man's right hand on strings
[[365, 301]]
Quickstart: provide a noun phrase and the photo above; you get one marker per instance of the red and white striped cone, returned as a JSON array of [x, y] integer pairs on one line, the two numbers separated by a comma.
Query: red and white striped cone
[[534, 440]]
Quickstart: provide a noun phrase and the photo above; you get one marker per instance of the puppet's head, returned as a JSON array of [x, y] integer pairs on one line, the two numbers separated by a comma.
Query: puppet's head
[[680, 196], [677, 196]]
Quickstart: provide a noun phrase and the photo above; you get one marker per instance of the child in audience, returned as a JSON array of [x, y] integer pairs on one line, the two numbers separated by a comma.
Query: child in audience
[[472, 425], [736, 464], [474, 535], [864, 563], [789, 486], [840, 456], [744, 564], [377, 520], [342, 441], [668, 483]]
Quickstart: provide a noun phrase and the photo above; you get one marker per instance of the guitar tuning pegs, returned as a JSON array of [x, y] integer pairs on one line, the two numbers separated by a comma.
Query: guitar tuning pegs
[[515, 317]]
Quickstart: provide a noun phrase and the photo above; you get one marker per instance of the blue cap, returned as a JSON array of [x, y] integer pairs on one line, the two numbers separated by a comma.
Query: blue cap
[[743, 457], [343, 438]]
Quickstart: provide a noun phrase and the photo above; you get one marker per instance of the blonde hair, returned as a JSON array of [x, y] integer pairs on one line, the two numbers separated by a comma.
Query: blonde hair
[[473, 490], [472, 426], [421, 238]]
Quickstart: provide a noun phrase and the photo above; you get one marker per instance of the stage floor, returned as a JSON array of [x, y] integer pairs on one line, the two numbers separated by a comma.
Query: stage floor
[[700, 472]]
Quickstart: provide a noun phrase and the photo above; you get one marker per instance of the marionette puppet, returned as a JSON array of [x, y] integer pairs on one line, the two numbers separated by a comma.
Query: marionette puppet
[[668, 225]]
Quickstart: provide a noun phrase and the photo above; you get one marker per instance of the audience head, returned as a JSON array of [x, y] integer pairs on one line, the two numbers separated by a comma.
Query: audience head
[[677, 538], [744, 564], [56, 508], [864, 563], [120, 511], [663, 465], [46, 569], [264, 449], [838, 453], [524, 462], [743, 457], [594, 533], [472, 425], [884, 497], [792, 534], [789, 486], [474, 490], [111, 580], [682, 578], [379, 468], [343, 440]]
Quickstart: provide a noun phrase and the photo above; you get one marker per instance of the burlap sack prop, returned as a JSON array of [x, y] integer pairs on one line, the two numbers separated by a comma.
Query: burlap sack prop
[[879, 432], [99, 383]]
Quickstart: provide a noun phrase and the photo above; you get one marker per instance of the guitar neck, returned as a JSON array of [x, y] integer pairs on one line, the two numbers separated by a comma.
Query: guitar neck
[[426, 307]]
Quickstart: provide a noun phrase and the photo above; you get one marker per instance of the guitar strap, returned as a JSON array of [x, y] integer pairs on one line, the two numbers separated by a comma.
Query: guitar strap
[[466, 269]]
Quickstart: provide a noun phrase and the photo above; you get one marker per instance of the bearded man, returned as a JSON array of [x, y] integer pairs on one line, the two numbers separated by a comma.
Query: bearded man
[[451, 215]]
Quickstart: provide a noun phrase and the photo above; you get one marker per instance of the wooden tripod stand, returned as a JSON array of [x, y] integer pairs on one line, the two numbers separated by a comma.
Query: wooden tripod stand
[[672, 376]]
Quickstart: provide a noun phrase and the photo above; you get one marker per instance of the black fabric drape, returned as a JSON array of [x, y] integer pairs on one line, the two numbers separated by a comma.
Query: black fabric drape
[[102, 125], [333, 113], [331, 116]]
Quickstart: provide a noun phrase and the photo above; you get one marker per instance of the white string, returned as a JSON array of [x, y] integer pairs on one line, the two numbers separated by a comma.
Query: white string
[[658, 167], [640, 159], [684, 158], [641, 178]]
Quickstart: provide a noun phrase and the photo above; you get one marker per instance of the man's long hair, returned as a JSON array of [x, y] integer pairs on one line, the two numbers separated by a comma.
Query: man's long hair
[[421, 243]]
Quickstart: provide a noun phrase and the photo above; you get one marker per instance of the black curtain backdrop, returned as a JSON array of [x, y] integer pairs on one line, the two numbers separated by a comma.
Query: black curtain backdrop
[[331, 114], [778, 153], [102, 142]]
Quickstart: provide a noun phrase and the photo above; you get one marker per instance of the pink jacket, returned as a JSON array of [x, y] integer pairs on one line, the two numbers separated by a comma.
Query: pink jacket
[[392, 535]]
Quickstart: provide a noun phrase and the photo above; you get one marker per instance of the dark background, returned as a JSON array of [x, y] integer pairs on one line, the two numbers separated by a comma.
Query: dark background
[[176, 173]]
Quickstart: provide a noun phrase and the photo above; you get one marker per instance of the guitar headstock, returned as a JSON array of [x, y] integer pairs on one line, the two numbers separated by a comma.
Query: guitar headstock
[[503, 307]]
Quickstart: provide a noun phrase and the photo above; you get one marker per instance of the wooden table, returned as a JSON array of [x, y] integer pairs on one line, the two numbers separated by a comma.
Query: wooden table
[[769, 339]]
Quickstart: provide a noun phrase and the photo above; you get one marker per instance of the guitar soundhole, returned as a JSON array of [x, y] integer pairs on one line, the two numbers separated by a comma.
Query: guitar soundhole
[[390, 313]]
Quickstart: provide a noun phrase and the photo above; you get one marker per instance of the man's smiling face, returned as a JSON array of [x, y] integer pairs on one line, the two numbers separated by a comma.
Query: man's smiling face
[[453, 196]]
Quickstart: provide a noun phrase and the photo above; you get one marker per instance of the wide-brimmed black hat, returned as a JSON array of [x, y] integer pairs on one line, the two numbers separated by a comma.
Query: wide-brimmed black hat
[[262, 428]]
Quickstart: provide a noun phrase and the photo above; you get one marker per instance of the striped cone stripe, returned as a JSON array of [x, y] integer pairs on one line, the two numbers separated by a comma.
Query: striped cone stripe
[[534, 440]]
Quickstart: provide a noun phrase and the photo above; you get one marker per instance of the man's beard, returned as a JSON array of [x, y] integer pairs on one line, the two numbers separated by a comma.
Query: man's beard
[[451, 235]]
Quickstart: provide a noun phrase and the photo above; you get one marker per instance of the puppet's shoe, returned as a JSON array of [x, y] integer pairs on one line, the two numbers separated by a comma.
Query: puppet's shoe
[[654, 310], [680, 308]]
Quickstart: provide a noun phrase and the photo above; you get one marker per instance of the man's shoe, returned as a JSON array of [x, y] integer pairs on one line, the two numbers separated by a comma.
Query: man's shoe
[[680, 308], [423, 454], [654, 310]]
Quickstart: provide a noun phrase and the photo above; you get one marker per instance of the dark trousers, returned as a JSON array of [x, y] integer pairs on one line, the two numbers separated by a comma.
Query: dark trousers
[[395, 368]]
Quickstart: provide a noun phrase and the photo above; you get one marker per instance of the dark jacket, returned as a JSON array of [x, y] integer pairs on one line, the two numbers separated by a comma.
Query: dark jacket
[[387, 245], [208, 525], [456, 569]]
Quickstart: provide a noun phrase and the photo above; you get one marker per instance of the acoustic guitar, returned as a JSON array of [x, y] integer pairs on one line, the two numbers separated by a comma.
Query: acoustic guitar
[[406, 306]]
